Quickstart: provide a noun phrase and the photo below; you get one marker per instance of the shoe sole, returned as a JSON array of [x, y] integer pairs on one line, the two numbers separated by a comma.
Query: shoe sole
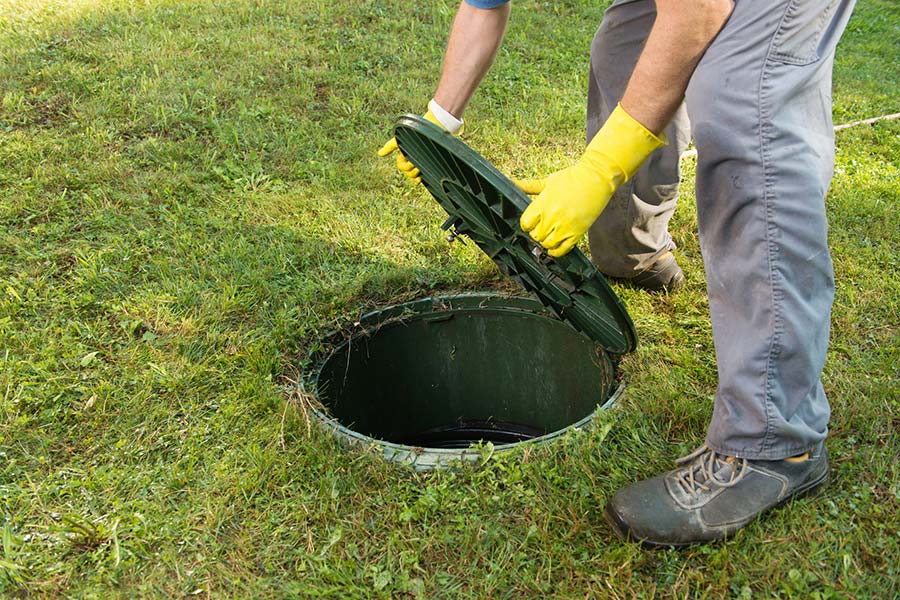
[[623, 531]]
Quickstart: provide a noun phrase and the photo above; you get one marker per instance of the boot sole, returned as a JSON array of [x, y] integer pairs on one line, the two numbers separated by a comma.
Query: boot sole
[[623, 531]]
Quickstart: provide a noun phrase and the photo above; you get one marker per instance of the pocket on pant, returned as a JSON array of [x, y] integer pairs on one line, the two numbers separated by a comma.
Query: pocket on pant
[[796, 41]]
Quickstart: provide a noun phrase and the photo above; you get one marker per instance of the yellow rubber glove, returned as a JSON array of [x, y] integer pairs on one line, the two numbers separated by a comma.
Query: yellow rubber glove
[[403, 165], [569, 201]]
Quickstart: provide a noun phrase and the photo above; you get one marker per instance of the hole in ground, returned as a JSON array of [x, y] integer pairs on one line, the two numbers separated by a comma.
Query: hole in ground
[[473, 372]]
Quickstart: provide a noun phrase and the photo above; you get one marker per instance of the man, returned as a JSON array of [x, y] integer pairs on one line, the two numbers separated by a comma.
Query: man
[[751, 82]]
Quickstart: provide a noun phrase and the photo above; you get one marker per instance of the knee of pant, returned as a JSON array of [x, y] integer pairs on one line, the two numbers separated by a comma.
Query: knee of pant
[[716, 140]]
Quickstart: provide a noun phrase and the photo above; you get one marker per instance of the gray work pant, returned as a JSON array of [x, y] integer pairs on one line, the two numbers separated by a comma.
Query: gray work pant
[[759, 110]]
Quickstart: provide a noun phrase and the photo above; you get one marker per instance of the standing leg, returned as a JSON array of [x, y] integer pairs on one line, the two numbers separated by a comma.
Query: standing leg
[[632, 235], [760, 109], [761, 115]]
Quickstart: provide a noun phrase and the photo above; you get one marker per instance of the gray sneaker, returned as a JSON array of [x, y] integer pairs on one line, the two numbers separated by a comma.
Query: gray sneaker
[[662, 276], [710, 496]]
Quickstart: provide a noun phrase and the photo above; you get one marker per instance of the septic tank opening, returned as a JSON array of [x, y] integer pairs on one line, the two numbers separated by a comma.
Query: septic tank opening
[[427, 379]]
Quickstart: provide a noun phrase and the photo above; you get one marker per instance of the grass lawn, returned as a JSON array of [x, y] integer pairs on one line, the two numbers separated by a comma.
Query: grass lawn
[[190, 198]]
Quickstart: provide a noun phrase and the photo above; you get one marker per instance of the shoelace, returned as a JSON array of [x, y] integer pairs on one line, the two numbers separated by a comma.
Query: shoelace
[[708, 463]]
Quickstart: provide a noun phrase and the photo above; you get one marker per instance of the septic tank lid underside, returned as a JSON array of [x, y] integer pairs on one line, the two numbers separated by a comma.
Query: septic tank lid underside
[[485, 206]]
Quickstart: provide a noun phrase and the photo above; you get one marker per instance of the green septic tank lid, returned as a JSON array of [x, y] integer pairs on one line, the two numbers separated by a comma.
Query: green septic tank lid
[[484, 205]]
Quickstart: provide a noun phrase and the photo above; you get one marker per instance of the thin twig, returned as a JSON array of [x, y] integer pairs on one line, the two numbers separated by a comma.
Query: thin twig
[[890, 117]]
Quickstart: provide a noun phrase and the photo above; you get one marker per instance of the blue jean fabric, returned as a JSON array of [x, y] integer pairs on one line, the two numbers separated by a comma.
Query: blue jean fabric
[[486, 3]]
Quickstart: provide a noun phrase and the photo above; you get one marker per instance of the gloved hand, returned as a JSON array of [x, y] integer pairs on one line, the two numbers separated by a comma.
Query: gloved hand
[[437, 115], [569, 201]]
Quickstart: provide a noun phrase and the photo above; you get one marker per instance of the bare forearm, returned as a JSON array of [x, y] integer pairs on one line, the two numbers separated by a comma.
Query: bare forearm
[[682, 32], [474, 41]]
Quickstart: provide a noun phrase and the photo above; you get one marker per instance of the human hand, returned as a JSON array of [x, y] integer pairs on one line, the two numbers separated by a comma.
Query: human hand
[[569, 201], [436, 115]]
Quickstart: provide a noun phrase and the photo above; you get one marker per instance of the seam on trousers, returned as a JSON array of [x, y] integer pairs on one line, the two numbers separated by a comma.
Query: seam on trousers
[[771, 247], [772, 43]]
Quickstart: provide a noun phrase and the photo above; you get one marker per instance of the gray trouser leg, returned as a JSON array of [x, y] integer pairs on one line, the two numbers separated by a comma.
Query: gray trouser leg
[[632, 232], [760, 109]]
